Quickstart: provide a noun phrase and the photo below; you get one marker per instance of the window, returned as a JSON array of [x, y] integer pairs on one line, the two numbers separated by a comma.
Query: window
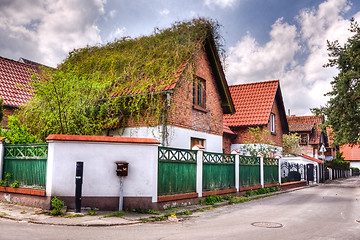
[[199, 92], [272, 123], [197, 141], [303, 139]]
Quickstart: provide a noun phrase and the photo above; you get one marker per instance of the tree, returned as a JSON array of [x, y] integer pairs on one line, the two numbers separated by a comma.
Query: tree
[[291, 144], [17, 133], [342, 111], [259, 142]]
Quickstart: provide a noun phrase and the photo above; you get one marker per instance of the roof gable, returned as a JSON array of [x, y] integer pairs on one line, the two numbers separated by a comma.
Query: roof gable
[[303, 123], [15, 78], [253, 103]]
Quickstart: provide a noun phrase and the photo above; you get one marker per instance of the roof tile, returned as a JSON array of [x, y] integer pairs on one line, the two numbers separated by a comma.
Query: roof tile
[[253, 103], [14, 76]]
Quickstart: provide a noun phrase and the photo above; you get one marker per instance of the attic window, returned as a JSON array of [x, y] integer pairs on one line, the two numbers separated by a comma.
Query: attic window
[[272, 123], [303, 139], [199, 92]]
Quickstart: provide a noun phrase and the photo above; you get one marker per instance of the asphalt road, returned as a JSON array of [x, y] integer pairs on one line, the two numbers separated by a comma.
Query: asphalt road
[[327, 211]]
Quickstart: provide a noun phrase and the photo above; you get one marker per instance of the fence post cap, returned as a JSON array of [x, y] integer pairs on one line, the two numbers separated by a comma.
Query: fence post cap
[[235, 151], [198, 147]]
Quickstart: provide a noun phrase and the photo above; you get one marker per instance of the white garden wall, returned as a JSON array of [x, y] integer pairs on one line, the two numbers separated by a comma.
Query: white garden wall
[[99, 155], [178, 137]]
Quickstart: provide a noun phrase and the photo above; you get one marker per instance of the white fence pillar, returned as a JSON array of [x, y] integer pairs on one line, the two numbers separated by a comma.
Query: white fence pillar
[[199, 170], [237, 177], [1, 157], [279, 162], [262, 171]]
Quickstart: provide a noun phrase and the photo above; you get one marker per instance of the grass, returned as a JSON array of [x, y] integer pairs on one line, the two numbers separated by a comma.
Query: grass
[[74, 216], [146, 211], [115, 214]]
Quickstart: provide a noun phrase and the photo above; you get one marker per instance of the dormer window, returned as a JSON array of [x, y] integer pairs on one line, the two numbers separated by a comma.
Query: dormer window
[[303, 139], [199, 92]]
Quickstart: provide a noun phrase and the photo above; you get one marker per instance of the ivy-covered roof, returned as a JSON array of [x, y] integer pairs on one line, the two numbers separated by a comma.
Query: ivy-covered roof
[[154, 63]]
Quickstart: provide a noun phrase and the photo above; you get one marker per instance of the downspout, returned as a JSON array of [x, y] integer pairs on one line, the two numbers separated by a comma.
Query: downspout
[[163, 120]]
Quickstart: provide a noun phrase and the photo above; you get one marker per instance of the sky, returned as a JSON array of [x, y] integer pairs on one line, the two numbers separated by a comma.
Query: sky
[[263, 39]]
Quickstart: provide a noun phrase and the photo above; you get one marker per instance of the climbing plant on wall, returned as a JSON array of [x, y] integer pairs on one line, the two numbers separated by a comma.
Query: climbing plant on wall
[[104, 87]]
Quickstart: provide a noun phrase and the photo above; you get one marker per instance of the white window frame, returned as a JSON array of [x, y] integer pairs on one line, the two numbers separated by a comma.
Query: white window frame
[[272, 123]]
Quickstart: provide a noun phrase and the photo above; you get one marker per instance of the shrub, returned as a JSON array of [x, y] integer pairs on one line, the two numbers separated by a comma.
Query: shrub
[[57, 205], [211, 200], [294, 176]]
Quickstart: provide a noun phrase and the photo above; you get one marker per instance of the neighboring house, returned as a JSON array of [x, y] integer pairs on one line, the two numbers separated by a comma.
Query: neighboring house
[[257, 104], [311, 136], [351, 154], [14, 76]]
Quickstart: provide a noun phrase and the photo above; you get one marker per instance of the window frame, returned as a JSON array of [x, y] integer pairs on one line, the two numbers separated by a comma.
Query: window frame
[[196, 141], [199, 92], [272, 123]]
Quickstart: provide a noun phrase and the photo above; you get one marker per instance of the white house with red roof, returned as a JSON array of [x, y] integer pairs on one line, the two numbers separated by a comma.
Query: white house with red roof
[[257, 104], [351, 154]]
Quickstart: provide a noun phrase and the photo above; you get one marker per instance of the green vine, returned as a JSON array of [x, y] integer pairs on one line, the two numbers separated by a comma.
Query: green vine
[[101, 88]]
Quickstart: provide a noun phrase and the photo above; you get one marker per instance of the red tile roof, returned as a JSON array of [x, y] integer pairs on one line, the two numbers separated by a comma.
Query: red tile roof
[[14, 76], [253, 103], [311, 158], [303, 123], [226, 129], [350, 153]]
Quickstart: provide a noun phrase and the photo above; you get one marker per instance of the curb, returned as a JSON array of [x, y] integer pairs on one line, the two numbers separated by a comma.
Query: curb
[[193, 208]]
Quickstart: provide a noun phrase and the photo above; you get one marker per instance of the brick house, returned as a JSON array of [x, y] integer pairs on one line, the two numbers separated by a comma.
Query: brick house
[[311, 136], [257, 104], [196, 116], [14, 75]]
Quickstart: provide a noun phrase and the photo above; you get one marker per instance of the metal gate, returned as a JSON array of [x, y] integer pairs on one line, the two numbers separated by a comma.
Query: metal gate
[[310, 172]]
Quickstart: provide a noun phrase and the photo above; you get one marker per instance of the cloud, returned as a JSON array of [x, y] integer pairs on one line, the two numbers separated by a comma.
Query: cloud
[[164, 12], [295, 55], [46, 31], [116, 34], [212, 4]]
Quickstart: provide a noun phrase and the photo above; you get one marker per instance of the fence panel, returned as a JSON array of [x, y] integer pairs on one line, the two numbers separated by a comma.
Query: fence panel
[[26, 163], [176, 171], [218, 171], [271, 170], [249, 171]]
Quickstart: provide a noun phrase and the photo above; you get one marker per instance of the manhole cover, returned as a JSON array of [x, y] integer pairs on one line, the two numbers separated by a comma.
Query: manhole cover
[[267, 224]]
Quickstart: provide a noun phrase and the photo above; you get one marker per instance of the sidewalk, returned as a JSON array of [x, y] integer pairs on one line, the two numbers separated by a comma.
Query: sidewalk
[[38, 216]]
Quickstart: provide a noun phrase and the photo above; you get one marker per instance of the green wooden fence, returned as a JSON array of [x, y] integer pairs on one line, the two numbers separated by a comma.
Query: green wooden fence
[[271, 170], [218, 171], [249, 171], [176, 171], [26, 163]]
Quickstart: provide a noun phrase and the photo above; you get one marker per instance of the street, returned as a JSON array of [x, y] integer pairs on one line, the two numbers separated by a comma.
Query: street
[[327, 211]]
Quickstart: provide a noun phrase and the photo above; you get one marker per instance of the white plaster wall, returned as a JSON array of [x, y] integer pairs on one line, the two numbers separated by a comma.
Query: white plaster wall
[[239, 147], [99, 176], [355, 164], [178, 137]]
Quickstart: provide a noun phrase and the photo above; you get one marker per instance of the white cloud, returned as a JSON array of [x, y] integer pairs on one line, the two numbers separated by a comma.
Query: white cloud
[[164, 12], [220, 3], [116, 34], [303, 81], [48, 30]]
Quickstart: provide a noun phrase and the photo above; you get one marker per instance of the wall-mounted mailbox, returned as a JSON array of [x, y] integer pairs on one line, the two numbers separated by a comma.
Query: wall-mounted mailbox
[[122, 169]]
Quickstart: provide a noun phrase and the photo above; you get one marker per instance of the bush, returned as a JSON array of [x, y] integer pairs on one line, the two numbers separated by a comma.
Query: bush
[[57, 205], [294, 176], [211, 200]]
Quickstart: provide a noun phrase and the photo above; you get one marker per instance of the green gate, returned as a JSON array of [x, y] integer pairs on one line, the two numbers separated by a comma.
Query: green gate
[[26, 163], [218, 171], [271, 170], [176, 171], [249, 171]]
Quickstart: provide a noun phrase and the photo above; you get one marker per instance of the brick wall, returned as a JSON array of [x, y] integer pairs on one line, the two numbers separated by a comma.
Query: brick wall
[[184, 114], [8, 111]]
